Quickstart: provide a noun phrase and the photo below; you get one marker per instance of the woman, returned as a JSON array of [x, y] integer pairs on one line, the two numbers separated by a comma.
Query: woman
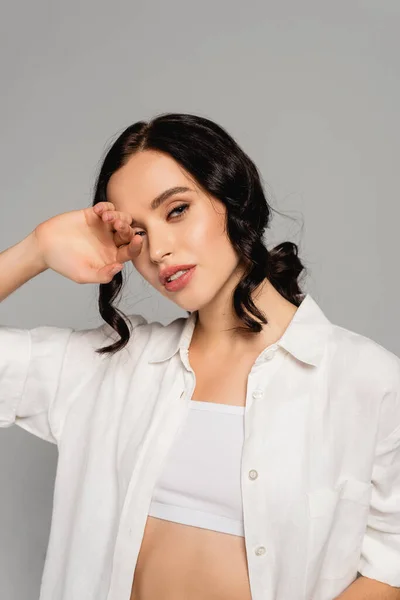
[[250, 450]]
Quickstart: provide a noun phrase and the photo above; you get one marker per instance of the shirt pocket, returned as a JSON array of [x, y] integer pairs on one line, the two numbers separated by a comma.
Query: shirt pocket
[[337, 524]]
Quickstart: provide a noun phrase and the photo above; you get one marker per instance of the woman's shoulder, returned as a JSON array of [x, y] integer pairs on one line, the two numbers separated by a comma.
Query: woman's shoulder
[[143, 331], [361, 358], [362, 347]]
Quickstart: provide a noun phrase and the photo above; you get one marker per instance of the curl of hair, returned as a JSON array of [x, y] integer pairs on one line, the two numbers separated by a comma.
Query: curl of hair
[[223, 170]]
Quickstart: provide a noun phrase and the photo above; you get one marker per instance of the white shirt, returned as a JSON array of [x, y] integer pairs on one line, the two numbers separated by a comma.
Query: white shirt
[[320, 473]]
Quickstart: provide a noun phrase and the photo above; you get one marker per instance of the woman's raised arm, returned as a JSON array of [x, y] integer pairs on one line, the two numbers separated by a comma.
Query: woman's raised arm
[[87, 245], [38, 366]]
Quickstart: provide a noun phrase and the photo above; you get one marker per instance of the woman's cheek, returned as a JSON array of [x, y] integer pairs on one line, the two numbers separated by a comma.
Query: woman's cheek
[[199, 238]]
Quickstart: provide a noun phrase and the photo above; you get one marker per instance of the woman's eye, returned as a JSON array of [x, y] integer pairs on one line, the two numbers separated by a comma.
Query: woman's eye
[[182, 208]]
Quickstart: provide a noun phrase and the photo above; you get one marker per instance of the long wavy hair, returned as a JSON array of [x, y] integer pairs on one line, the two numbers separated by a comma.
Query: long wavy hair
[[215, 160]]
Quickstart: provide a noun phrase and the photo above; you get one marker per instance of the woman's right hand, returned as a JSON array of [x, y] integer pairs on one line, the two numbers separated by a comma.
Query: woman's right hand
[[87, 245]]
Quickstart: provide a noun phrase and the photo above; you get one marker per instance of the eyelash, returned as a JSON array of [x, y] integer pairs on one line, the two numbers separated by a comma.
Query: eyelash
[[181, 206], [184, 206]]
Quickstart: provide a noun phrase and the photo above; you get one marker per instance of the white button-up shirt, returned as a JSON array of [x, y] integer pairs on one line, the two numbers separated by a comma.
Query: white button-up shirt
[[320, 472]]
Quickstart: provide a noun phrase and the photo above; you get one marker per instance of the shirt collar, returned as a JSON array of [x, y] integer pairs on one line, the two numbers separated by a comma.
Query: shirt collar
[[304, 337]]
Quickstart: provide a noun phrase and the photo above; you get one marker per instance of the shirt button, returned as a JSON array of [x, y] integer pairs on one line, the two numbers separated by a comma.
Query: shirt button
[[253, 474], [257, 394], [260, 550]]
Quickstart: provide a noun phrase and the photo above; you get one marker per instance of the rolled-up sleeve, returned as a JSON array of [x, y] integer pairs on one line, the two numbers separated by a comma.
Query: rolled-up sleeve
[[31, 362], [380, 556]]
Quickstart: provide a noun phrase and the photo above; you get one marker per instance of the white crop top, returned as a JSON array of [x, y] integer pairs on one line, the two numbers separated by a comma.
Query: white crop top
[[200, 480]]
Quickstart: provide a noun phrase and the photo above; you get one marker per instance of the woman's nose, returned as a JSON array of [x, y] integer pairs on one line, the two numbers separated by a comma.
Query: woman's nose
[[159, 246]]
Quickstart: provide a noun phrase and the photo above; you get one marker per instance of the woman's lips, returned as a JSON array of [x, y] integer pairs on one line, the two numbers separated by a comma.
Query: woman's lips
[[179, 283]]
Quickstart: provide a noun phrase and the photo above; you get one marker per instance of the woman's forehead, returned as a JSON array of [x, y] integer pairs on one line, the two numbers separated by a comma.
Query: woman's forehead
[[143, 179]]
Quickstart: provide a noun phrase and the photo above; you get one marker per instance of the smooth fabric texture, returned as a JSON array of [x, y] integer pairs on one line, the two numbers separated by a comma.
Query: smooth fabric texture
[[200, 480], [320, 468]]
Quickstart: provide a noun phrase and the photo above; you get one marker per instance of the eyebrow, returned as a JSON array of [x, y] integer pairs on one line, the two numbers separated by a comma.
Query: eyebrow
[[158, 200]]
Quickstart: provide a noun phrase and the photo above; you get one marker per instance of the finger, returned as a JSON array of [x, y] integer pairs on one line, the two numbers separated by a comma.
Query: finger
[[123, 233], [131, 250], [110, 216], [108, 272], [103, 275], [102, 206], [95, 214]]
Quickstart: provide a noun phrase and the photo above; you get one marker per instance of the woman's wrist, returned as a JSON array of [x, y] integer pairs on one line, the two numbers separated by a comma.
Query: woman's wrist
[[19, 263], [31, 255]]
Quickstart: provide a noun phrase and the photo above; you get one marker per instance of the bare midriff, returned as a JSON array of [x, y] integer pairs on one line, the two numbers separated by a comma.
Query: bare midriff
[[182, 562]]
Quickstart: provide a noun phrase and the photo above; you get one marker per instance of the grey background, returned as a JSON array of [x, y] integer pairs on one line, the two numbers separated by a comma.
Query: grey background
[[309, 89]]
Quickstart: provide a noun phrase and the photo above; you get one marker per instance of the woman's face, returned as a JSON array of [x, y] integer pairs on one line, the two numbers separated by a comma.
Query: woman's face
[[187, 228]]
